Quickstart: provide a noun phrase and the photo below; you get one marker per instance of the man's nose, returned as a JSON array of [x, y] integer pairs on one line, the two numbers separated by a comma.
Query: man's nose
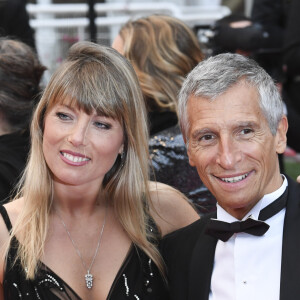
[[229, 153]]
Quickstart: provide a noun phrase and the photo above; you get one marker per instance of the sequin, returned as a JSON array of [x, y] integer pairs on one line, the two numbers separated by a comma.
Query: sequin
[[50, 279], [171, 166], [147, 282], [126, 285], [150, 267], [16, 286], [37, 294]]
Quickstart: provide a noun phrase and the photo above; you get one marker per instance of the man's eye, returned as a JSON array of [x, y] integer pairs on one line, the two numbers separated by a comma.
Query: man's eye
[[62, 116], [206, 137], [246, 131]]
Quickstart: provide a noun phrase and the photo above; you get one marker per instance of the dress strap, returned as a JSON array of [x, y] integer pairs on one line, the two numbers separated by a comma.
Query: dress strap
[[5, 217]]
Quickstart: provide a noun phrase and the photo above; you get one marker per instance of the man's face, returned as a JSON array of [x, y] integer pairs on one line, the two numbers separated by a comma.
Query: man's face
[[233, 149]]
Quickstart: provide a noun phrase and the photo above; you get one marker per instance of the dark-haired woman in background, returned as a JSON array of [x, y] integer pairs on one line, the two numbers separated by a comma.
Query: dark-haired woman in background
[[20, 75]]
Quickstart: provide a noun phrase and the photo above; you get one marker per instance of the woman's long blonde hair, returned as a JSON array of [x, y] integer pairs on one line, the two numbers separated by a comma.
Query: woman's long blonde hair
[[97, 78], [162, 50]]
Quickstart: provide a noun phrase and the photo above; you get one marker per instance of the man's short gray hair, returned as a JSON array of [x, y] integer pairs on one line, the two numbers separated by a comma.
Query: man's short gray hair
[[215, 75]]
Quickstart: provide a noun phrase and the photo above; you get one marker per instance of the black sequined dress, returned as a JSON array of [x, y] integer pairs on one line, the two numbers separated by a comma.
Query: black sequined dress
[[137, 279], [171, 166]]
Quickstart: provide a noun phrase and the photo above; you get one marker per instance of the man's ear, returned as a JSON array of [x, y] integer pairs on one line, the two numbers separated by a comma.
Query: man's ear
[[187, 145], [281, 138], [190, 156], [191, 161]]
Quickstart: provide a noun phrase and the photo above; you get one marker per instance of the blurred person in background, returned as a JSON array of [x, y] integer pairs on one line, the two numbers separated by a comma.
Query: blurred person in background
[[262, 37], [87, 222], [291, 56], [20, 76], [14, 21], [236, 6], [163, 50]]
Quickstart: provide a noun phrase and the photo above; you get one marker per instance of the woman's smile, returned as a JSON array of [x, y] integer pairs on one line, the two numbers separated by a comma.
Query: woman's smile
[[80, 148]]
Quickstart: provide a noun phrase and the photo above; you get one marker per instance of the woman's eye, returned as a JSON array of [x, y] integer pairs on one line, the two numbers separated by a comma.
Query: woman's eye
[[102, 125], [63, 116]]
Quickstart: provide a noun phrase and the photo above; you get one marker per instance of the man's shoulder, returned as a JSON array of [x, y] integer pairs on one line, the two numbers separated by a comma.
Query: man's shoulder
[[293, 194], [293, 188], [188, 234]]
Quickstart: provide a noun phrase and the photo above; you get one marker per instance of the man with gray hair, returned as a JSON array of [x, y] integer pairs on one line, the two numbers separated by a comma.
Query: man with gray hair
[[232, 120]]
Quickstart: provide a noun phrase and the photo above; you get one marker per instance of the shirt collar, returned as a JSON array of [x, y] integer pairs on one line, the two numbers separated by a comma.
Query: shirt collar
[[223, 215]]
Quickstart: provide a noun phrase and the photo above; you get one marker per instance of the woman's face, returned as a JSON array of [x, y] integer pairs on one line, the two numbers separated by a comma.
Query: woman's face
[[79, 148]]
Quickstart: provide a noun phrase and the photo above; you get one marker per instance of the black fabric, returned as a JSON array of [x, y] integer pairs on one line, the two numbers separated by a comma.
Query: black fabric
[[5, 217], [161, 120], [189, 255], [171, 166], [138, 278], [273, 208], [294, 121], [292, 40], [177, 249], [263, 39], [224, 230], [14, 150], [292, 55], [14, 21]]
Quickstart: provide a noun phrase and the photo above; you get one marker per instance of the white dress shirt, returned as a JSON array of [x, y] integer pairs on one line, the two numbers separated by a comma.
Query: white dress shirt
[[248, 267]]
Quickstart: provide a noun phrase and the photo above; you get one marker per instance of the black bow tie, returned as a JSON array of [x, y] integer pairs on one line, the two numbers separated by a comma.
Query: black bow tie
[[224, 231]]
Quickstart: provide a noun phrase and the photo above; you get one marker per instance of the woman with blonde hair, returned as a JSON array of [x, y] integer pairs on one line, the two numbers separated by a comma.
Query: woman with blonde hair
[[87, 221], [162, 50]]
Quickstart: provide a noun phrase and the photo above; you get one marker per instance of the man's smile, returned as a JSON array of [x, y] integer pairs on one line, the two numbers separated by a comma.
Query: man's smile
[[234, 179]]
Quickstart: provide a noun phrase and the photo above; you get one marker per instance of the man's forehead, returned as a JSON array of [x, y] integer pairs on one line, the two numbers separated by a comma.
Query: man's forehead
[[236, 109], [237, 92]]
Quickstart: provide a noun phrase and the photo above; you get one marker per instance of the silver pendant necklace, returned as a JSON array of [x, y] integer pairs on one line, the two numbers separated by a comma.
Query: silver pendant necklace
[[88, 276]]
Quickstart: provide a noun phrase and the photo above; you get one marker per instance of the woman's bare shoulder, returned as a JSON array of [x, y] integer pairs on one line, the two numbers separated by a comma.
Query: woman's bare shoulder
[[13, 209], [171, 209]]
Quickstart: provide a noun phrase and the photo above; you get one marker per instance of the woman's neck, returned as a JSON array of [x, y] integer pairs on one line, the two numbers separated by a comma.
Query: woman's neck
[[77, 200]]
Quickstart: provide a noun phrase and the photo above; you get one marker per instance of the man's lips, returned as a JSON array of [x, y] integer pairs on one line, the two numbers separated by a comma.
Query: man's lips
[[233, 179]]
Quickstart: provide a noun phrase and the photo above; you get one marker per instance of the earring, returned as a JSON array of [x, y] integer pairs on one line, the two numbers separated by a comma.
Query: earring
[[122, 157]]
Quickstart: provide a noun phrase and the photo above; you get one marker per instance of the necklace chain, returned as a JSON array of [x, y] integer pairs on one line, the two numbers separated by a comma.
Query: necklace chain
[[88, 276]]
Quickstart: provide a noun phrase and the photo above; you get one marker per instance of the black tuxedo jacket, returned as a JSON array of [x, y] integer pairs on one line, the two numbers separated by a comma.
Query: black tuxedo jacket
[[189, 255]]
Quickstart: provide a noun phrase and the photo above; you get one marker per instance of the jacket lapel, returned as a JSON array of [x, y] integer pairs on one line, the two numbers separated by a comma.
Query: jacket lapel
[[201, 266], [290, 263]]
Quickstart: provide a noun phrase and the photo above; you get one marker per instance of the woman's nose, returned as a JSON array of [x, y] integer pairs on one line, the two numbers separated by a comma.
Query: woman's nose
[[78, 134]]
